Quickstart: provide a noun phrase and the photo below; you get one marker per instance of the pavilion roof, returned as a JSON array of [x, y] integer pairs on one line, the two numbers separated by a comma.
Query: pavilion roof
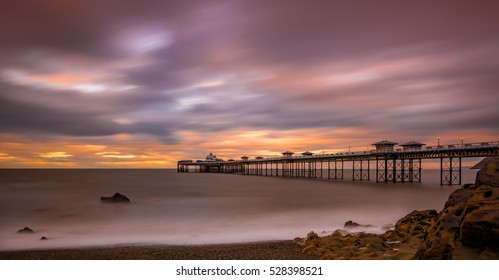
[[385, 142], [412, 143]]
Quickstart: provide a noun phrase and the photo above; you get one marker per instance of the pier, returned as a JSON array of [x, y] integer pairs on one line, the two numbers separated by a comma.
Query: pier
[[401, 165]]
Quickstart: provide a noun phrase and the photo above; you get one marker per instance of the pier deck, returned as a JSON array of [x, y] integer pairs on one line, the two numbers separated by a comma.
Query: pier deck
[[391, 166]]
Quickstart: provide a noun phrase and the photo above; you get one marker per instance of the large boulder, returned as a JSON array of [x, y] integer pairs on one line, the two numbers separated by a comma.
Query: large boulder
[[468, 226], [481, 227], [116, 198], [488, 174]]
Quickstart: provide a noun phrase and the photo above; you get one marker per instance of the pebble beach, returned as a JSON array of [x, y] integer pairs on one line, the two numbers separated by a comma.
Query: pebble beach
[[272, 250]]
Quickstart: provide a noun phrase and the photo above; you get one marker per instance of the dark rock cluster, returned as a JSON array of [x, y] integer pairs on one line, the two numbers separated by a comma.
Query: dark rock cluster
[[467, 228], [399, 243]]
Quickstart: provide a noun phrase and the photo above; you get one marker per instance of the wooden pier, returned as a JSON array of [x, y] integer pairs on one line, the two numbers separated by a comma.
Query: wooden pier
[[392, 165]]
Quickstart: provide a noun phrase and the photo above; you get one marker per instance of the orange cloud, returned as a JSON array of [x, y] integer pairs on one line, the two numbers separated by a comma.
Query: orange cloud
[[55, 155], [47, 164], [4, 156], [114, 155], [138, 164]]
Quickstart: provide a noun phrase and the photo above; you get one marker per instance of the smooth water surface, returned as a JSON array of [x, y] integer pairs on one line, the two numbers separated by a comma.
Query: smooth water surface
[[195, 208]]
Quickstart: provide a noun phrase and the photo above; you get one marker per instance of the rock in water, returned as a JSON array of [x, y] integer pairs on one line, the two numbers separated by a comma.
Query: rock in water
[[351, 224], [116, 198], [25, 230]]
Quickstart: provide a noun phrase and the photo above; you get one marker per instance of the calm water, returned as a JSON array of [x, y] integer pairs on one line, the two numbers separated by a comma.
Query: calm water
[[193, 208]]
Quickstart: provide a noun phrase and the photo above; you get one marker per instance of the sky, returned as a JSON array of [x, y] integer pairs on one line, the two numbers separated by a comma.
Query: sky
[[143, 84]]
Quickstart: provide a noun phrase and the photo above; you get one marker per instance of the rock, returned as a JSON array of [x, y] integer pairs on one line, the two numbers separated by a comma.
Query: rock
[[481, 164], [388, 227], [44, 238], [481, 227], [400, 243], [116, 198], [312, 236], [458, 197], [468, 226], [468, 186], [25, 230], [489, 174], [342, 232], [299, 240], [351, 224], [415, 224]]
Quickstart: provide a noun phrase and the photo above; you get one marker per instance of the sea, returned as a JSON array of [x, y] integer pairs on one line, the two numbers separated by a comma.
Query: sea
[[173, 208]]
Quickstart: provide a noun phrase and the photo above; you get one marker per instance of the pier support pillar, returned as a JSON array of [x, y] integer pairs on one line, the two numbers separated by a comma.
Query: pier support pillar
[[398, 170], [301, 169], [335, 169], [391, 172], [360, 170], [308, 169], [381, 170], [450, 171], [286, 166], [415, 170], [295, 166]]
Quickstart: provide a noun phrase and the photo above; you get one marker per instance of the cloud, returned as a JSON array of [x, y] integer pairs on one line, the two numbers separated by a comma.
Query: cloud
[[4, 156], [55, 155], [170, 71], [114, 155]]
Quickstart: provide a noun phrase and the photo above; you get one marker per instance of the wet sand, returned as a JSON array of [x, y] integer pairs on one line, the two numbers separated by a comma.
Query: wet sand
[[272, 250]]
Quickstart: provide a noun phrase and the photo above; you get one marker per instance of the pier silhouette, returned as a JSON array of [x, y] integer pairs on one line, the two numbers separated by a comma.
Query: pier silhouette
[[401, 165]]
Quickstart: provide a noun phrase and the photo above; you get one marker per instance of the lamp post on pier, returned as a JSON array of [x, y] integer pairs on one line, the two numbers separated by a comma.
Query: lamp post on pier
[[438, 140]]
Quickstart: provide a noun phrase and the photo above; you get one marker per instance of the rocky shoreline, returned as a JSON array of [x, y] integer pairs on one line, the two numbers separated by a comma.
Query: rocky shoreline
[[467, 228]]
